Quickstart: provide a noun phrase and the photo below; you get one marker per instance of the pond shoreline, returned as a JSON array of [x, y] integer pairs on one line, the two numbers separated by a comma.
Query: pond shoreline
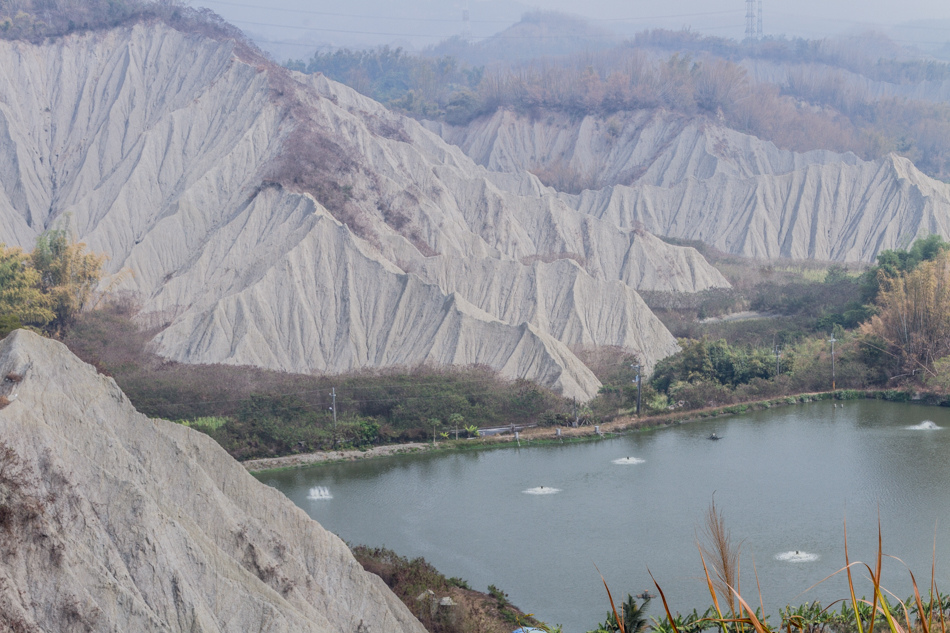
[[548, 435]]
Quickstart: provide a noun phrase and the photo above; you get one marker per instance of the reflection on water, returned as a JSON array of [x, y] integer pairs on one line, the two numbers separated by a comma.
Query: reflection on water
[[785, 480]]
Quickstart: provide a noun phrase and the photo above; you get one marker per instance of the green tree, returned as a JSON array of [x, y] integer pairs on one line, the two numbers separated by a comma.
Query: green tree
[[68, 275], [893, 263], [914, 313], [21, 300]]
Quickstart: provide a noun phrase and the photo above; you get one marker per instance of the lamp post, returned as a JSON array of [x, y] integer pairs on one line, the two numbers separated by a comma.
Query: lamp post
[[832, 340], [333, 395], [637, 380]]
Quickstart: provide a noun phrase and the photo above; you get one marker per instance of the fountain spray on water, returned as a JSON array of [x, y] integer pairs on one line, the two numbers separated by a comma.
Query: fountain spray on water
[[926, 425]]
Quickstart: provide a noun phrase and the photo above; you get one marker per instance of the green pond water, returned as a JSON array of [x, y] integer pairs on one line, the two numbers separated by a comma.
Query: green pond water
[[785, 479]]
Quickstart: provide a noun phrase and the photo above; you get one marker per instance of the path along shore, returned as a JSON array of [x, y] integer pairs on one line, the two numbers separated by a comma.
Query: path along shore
[[528, 434], [540, 433]]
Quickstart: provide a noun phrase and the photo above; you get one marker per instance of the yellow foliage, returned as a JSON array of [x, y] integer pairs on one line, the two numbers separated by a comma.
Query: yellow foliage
[[941, 378], [68, 274], [20, 295], [914, 313]]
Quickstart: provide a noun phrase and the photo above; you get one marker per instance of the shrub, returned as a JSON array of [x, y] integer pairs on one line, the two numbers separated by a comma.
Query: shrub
[[392, 405]]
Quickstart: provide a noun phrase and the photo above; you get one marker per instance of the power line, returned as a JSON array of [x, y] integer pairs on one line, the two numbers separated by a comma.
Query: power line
[[311, 45], [351, 15], [455, 21], [499, 36], [619, 19], [880, 25], [348, 31]]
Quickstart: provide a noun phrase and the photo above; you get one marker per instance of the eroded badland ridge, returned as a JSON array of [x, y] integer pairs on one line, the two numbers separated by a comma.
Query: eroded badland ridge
[[115, 522], [285, 221], [693, 178]]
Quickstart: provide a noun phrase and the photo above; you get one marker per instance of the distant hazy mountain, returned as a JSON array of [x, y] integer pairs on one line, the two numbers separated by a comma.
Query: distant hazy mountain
[[538, 34], [294, 29]]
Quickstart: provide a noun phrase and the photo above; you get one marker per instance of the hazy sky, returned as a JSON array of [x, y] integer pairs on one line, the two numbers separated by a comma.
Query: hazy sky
[[881, 11], [300, 25]]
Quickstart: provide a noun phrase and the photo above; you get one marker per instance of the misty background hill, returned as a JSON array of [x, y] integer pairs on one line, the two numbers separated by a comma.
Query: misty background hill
[[293, 28], [863, 93]]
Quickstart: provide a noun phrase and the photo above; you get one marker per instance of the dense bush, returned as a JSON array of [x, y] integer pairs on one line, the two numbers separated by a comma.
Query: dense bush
[[266, 426], [716, 373], [893, 263], [274, 413], [715, 362], [835, 301]]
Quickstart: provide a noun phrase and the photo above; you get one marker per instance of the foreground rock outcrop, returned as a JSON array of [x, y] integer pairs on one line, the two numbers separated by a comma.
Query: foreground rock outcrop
[[698, 180], [110, 521], [285, 221]]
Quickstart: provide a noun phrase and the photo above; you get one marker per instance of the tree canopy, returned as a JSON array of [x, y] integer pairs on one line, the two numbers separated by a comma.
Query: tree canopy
[[893, 263], [914, 311], [21, 300], [48, 288]]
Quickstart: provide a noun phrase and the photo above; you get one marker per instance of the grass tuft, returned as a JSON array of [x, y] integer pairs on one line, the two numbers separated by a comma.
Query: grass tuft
[[879, 614]]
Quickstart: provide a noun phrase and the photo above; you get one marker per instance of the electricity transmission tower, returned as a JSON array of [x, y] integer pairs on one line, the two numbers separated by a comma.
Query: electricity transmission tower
[[758, 26], [750, 19], [753, 20], [466, 23]]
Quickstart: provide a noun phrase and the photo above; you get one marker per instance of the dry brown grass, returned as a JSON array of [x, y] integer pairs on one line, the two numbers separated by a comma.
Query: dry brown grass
[[562, 177], [884, 612], [410, 579], [718, 547]]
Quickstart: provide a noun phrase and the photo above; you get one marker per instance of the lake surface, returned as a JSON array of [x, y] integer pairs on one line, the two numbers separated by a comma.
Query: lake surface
[[785, 480]]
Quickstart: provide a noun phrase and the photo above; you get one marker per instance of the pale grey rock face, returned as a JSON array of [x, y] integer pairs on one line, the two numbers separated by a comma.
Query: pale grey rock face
[[699, 180], [170, 152], [115, 522]]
